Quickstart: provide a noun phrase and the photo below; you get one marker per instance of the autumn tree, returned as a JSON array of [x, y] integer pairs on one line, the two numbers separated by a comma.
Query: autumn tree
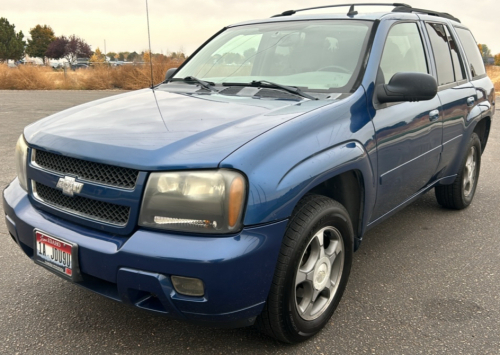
[[485, 51], [41, 38], [71, 48], [57, 48], [497, 59], [146, 57], [11, 43], [97, 57], [77, 48]]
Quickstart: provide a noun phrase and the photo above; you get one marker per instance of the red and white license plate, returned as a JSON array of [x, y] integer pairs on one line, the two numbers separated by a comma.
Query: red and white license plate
[[56, 254]]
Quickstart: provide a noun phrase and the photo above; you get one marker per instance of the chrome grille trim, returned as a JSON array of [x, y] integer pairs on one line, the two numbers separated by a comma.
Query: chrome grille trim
[[104, 174], [98, 211]]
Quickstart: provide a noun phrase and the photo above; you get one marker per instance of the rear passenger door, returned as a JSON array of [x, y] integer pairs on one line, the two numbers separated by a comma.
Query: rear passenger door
[[408, 134], [456, 94]]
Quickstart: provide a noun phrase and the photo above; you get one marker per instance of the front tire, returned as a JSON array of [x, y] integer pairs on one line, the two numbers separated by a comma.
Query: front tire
[[459, 195], [312, 270]]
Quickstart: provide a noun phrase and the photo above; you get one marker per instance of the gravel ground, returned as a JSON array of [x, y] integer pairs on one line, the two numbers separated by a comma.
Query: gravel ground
[[426, 281]]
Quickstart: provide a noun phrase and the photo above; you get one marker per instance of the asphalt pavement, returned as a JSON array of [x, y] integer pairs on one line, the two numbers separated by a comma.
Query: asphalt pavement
[[426, 281]]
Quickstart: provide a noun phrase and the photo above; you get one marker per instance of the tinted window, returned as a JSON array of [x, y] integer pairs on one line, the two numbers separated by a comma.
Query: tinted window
[[439, 41], [458, 65], [403, 51], [472, 52]]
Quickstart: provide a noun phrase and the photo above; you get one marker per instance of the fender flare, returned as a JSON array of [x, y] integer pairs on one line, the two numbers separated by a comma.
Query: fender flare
[[306, 175]]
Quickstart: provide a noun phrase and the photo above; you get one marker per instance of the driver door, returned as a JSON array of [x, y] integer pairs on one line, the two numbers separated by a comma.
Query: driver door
[[408, 134]]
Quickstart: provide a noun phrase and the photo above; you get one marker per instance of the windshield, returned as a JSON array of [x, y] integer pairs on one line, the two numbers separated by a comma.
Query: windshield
[[313, 55]]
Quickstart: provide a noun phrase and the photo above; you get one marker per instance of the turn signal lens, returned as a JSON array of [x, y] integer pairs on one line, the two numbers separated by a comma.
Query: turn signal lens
[[236, 196]]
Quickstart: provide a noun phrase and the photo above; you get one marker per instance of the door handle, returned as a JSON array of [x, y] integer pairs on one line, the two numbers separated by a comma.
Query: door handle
[[470, 101], [434, 115]]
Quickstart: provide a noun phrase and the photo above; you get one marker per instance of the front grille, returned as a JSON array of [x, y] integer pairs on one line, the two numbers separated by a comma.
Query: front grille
[[82, 206], [86, 170]]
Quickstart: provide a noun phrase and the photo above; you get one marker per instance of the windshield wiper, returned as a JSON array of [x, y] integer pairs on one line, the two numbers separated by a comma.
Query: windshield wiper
[[269, 84], [205, 84]]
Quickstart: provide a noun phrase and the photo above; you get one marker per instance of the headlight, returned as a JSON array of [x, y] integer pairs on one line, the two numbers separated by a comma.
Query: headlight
[[207, 201], [21, 157]]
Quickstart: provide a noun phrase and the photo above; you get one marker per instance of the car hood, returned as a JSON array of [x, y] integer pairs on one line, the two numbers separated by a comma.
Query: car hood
[[156, 129]]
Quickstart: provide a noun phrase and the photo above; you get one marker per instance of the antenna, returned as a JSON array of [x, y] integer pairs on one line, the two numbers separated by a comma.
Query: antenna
[[150, 53]]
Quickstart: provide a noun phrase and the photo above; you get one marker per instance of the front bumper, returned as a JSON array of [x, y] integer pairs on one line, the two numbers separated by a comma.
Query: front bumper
[[236, 270]]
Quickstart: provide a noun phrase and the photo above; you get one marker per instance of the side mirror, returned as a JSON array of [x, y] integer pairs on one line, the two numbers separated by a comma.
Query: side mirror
[[170, 73], [407, 87]]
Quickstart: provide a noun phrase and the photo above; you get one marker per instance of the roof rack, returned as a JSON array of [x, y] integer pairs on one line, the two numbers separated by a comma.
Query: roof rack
[[427, 12], [398, 7], [351, 12]]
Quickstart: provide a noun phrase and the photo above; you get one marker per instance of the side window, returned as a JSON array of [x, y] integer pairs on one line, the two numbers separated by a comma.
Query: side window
[[472, 52], [458, 64], [403, 51], [442, 55]]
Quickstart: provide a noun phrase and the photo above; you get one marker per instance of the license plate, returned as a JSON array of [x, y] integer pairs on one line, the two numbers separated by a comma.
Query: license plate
[[56, 254]]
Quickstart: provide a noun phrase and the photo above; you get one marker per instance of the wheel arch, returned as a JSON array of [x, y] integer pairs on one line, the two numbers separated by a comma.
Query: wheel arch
[[482, 129], [348, 189], [343, 173]]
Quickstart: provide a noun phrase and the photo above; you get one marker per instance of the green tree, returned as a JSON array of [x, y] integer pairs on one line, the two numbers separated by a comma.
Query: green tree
[[249, 53], [122, 56], [11, 43], [132, 57], [112, 56], [41, 37]]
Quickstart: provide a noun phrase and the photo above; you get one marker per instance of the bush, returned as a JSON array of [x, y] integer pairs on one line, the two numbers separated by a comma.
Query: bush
[[97, 77], [494, 74]]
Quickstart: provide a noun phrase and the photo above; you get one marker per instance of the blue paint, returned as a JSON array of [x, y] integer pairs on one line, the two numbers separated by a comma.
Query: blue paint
[[285, 148]]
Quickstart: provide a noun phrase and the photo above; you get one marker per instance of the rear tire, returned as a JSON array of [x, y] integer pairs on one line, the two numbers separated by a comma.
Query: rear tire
[[312, 270], [459, 195]]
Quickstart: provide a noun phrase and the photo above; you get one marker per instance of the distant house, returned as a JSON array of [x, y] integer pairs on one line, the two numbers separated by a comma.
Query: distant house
[[490, 61]]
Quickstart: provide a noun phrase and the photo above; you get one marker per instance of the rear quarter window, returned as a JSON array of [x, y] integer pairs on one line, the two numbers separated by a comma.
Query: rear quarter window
[[472, 52]]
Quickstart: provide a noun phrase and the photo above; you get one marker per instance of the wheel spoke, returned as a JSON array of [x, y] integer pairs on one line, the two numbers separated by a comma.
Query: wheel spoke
[[331, 285], [315, 295], [320, 238], [307, 311], [337, 249], [321, 252], [317, 250], [303, 276]]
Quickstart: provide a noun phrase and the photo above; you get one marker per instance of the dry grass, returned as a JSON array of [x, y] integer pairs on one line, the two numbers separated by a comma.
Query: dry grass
[[100, 77], [103, 77], [494, 74]]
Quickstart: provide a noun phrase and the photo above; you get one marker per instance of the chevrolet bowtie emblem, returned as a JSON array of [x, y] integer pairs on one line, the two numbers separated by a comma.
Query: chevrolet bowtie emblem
[[69, 186]]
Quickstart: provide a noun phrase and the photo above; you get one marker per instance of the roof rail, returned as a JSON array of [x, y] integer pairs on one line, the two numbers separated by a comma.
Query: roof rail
[[351, 12], [427, 12]]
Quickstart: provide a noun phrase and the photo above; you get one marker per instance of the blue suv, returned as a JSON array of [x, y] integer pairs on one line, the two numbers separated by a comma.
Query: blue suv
[[235, 192]]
